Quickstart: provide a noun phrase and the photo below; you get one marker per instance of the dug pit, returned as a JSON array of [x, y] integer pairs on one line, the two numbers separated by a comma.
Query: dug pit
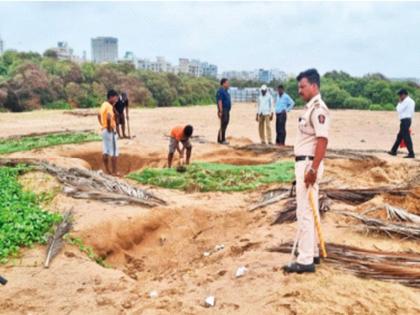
[[127, 163], [166, 241]]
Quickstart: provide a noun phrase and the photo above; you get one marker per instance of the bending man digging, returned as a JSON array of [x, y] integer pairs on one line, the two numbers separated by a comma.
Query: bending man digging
[[106, 118], [183, 135]]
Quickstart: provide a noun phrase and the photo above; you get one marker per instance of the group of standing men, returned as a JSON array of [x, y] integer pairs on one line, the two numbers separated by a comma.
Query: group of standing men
[[266, 108]]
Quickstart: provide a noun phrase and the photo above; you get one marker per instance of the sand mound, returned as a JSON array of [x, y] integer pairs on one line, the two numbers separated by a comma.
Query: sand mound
[[371, 172]]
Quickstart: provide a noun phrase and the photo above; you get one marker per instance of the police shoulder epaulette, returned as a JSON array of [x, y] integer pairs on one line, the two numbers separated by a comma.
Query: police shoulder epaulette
[[316, 104]]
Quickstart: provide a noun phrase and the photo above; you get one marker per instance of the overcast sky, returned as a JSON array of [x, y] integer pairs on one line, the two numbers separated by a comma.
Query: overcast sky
[[358, 37]]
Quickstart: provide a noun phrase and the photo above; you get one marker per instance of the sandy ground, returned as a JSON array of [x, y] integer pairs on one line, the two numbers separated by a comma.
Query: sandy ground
[[162, 248]]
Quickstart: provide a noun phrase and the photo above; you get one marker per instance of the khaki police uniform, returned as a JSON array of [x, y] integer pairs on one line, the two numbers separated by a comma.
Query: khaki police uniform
[[314, 123]]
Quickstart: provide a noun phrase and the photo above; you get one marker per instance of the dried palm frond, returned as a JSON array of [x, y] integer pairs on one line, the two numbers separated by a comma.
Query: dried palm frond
[[349, 196], [400, 267], [401, 215], [87, 184], [288, 214], [56, 241], [274, 196], [381, 226]]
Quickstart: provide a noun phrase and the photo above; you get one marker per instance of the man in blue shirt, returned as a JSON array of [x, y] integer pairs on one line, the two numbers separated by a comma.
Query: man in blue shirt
[[223, 109], [284, 104]]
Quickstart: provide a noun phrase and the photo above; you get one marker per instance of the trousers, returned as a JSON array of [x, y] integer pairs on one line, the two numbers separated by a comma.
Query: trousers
[[281, 128], [308, 240], [404, 134], [264, 128], [224, 122]]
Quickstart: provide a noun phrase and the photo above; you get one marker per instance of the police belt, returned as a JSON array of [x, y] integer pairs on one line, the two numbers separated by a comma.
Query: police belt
[[303, 158]]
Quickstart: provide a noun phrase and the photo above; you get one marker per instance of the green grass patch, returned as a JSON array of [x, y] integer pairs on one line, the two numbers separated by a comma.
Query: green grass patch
[[217, 177], [22, 221], [27, 143]]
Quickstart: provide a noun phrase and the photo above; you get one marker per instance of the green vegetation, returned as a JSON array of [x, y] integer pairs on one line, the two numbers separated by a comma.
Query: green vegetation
[[57, 105], [88, 250], [22, 221], [217, 177], [30, 81], [342, 91], [26, 143]]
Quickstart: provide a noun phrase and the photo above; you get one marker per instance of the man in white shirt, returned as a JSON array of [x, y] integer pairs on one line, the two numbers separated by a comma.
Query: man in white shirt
[[405, 109], [265, 112]]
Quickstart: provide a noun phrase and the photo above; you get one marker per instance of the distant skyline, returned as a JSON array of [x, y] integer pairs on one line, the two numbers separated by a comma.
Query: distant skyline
[[356, 37]]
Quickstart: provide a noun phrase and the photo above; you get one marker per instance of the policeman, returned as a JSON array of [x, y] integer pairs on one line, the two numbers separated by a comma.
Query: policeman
[[310, 148]]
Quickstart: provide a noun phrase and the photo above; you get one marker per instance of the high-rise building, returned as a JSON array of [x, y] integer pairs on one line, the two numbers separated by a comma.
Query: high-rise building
[[265, 76], [104, 49], [183, 66]]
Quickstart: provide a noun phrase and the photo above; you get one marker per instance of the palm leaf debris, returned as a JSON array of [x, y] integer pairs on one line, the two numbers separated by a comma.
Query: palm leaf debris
[[399, 267], [87, 184], [409, 230], [56, 242], [288, 214]]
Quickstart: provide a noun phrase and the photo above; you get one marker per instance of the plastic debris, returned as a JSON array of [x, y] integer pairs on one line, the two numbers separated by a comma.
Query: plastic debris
[[241, 271], [210, 301], [153, 294], [206, 254], [219, 247]]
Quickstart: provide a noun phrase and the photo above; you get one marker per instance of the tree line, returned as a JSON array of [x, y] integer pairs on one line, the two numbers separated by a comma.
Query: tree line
[[32, 81], [342, 91]]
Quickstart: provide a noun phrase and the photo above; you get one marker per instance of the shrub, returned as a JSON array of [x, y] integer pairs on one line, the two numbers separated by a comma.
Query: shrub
[[375, 107], [356, 103], [389, 107]]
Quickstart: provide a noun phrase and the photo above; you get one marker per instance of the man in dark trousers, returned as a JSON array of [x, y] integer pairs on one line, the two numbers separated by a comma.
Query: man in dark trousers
[[284, 104], [223, 109], [405, 109], [120, 106]]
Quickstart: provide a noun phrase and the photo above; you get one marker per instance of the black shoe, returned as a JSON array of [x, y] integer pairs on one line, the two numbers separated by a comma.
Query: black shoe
[[410, 156], [298, 268], [392, 153]]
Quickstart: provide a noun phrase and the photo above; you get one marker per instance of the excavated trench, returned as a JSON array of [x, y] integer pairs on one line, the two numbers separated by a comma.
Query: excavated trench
[[128, 163], [167, 240]]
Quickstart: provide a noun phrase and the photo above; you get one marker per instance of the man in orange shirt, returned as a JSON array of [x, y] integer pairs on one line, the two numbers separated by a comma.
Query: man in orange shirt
[[183, 135], [106, 118]]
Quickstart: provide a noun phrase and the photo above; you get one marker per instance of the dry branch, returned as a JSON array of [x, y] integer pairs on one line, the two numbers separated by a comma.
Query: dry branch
[[86, 184], [401, 215], [381, 226], [349, 196], [56, 241], [288, 214], [400, 267]]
